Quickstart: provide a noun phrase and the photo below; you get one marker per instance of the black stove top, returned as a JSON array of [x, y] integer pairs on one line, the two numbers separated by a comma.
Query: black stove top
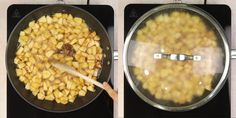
[[134, 107], [102, 107]]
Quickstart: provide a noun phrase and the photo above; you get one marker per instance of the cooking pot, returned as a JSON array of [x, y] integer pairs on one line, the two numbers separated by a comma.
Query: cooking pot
[[176, 57]]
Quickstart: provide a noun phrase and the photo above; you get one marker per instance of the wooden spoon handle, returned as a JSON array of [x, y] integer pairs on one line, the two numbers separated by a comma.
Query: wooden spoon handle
[[72, 71]]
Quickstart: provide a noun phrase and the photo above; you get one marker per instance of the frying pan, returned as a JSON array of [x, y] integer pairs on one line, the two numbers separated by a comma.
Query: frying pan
[[12, 46], [223, 62]]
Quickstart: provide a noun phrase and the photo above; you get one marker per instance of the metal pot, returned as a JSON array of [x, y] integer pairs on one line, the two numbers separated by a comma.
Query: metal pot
[[146, 62]]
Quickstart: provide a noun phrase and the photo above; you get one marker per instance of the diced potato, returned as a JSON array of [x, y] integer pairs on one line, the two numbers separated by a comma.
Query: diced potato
[[78, 20], [49, 97], [73, 41], [58, 15], [32, 60], [19, 51], [75, 64], [84, 65], [22, 78], [41, 96], [49, 53], [82, 93], [35, 93], [91, 43], [27, 86], [51, 78], [90, 57], [60, 36], [91, 88], [21, 65], [91, 65], [31, 24], [49, 19], [96, 38], [42, 19], [81, 41], [46, 74], [22, 33], [71, 98], [16, 60], [19, 72]]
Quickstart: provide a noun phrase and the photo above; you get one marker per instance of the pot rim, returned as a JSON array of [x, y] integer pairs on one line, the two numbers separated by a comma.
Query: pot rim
[[226, 51]]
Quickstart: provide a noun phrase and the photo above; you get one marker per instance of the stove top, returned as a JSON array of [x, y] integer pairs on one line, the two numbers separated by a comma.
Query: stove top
[[218, 107], [102, 107]]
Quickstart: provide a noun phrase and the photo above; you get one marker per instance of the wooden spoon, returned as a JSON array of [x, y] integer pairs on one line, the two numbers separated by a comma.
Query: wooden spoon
[[74, 72]]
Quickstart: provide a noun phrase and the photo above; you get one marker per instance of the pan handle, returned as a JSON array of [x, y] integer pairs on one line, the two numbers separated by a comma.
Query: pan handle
[[177, 1], [116, 54], [61, 2], [176, 57], [233, 54]]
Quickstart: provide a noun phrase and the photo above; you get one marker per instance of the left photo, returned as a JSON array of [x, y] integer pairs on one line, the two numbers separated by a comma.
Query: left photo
[[59, 60]]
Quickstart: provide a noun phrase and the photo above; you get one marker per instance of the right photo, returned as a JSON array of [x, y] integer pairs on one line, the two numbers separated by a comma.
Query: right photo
[[176, 60]]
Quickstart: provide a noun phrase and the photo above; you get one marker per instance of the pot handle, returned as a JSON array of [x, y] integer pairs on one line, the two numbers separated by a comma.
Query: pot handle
[[61, 2], [177, 1], [176, 57], [116, 55], [233, 54]]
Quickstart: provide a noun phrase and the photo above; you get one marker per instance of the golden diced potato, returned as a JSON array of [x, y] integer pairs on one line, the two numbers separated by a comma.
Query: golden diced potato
[[49, 19], [81, 59], [42, 19], [19, 51], [21, 65], [22, 78], [75, 64], [91, 88], [16, 60], [81, 41], [71, 98], [19, 72], [96, 38], [90, 57], [22, 33], [82, 93], [73, 41], [49, 97], [41, 96], [49, 53], [32, 60], [83, 49], [98, 56], [60, 36], [91, 65], [91, 43], [35, 93], [27, 86], [51, 78], [58, 15], [46, 74], [78, 20], [31, 24], [84, 65]]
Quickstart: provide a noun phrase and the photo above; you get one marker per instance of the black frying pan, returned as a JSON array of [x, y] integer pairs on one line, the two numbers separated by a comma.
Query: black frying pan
[[12, 45]]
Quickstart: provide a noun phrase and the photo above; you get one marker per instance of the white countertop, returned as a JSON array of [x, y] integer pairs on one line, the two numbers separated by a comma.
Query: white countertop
[[118, 6]]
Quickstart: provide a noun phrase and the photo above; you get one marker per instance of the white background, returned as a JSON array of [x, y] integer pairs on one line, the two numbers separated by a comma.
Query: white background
[[118, 6]]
